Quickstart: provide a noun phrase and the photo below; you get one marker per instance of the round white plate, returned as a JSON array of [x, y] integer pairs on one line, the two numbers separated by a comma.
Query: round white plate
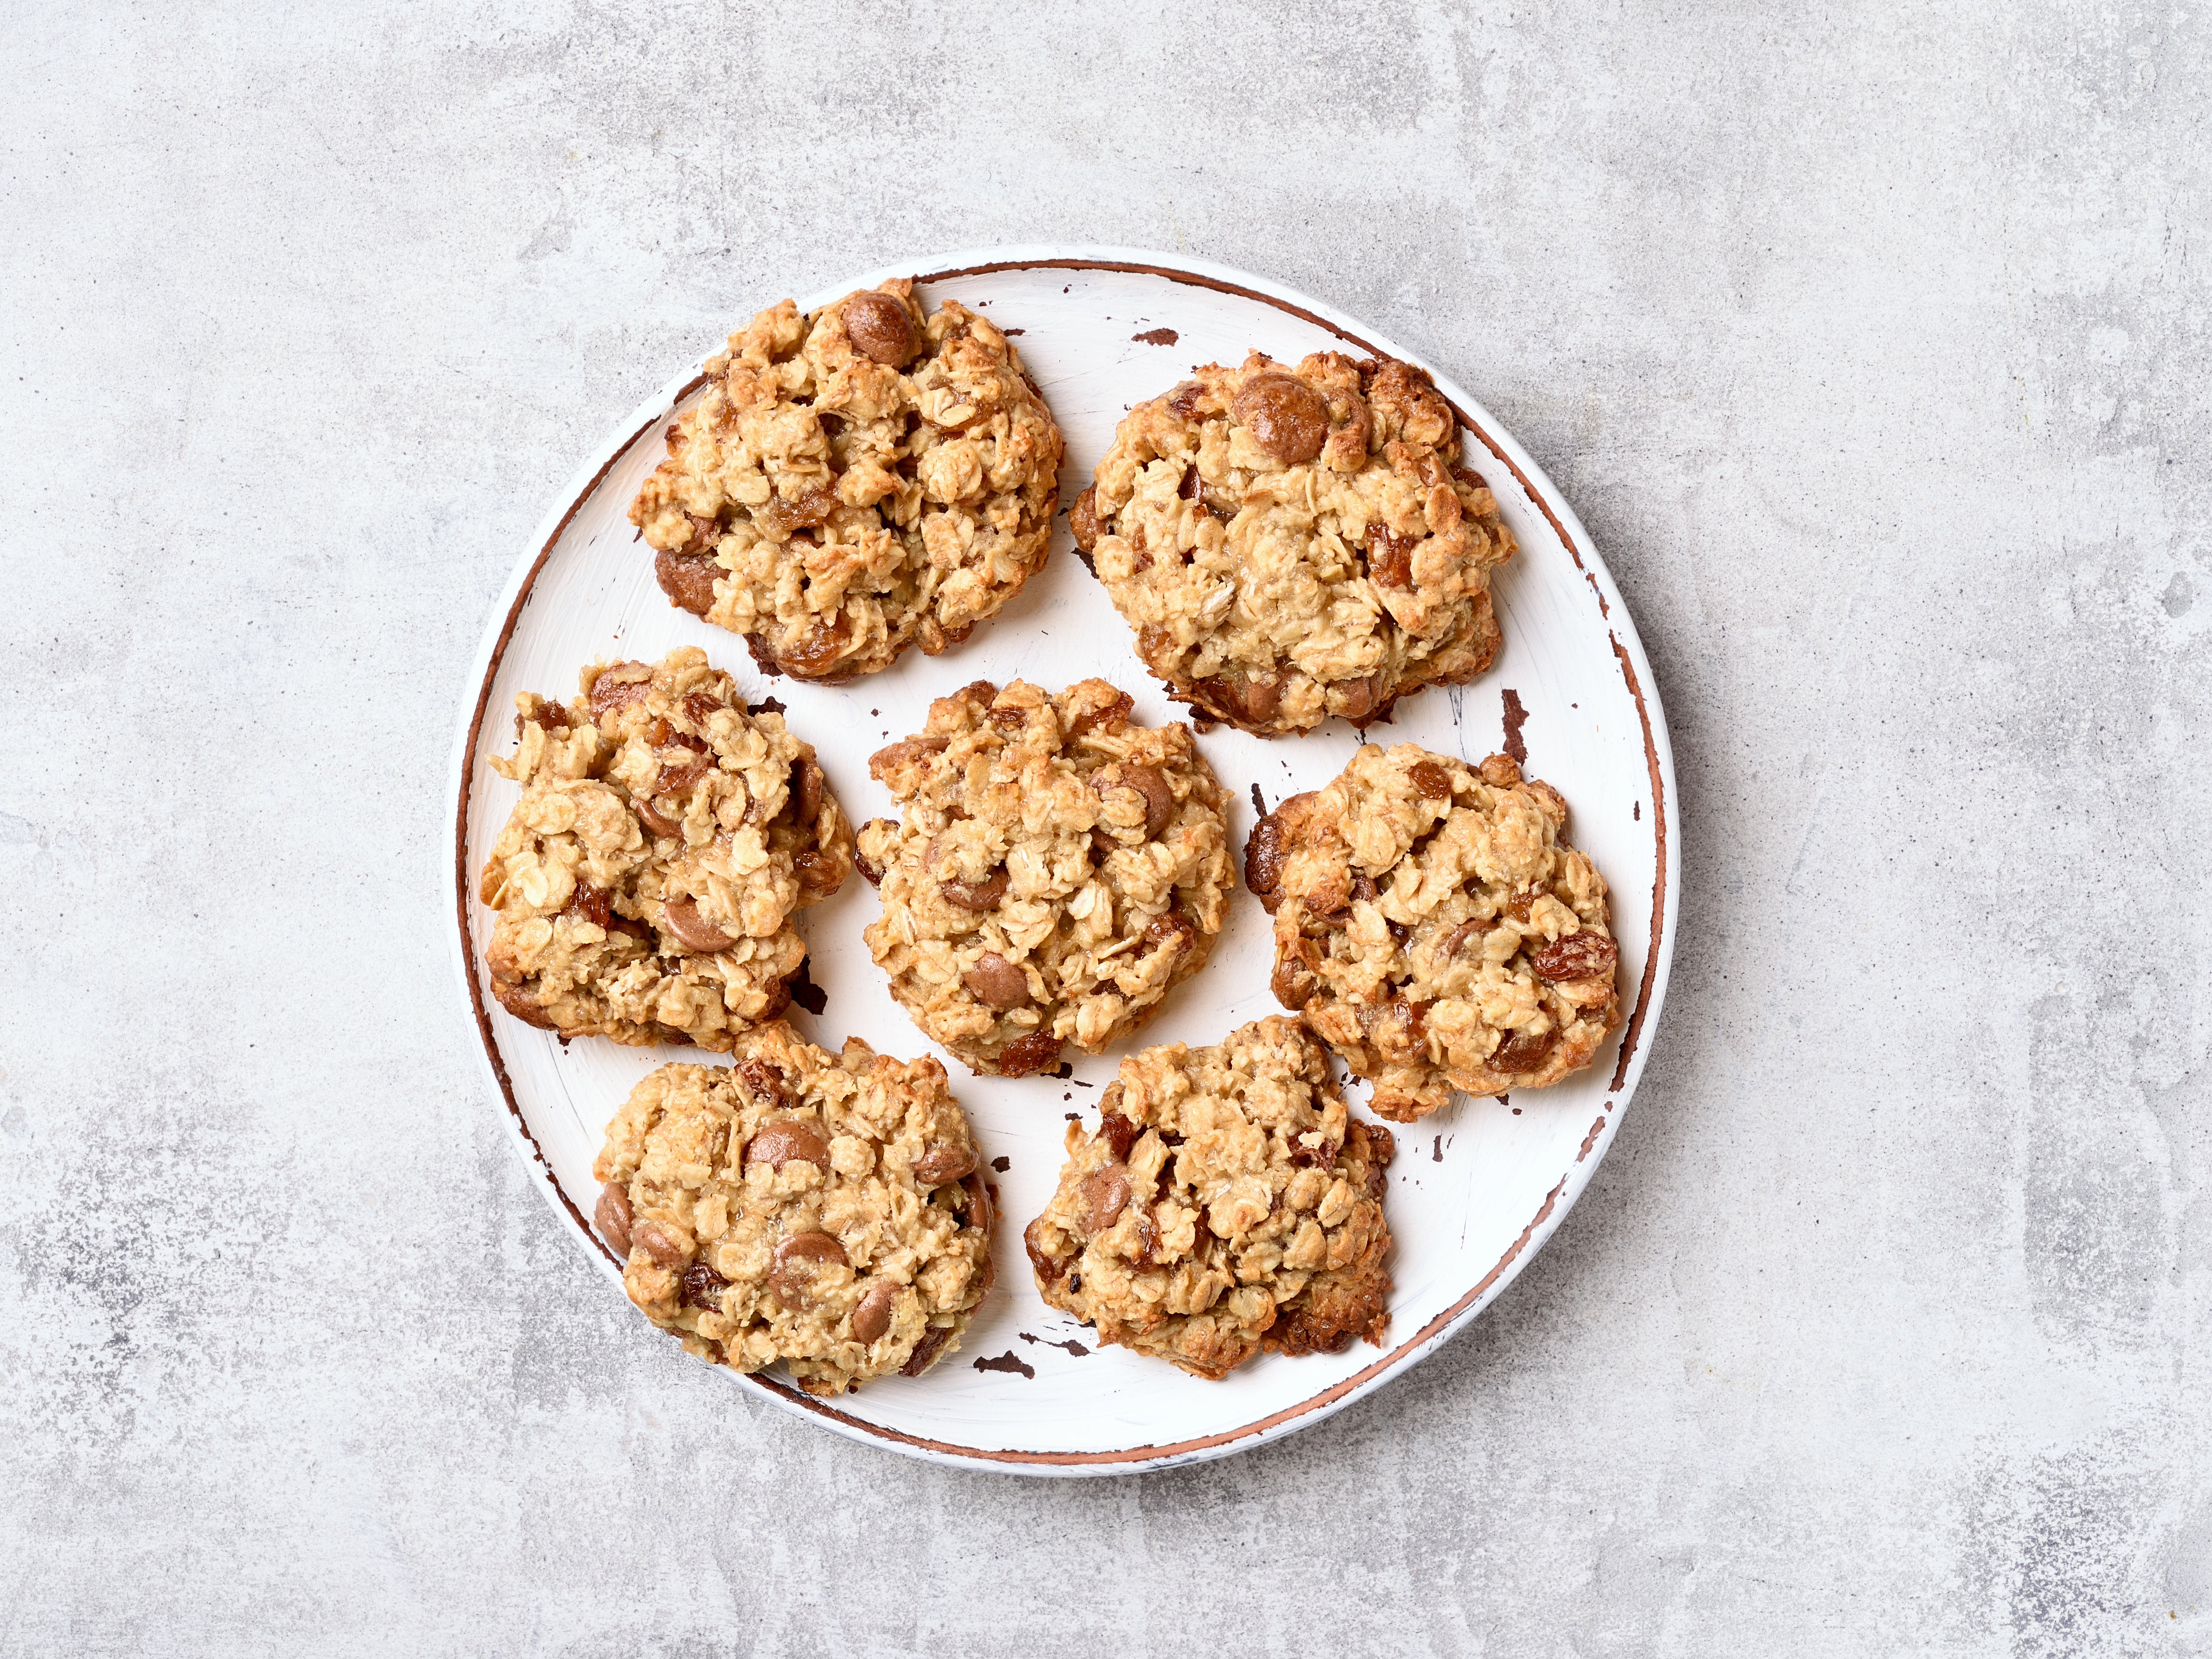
[[1475, 1191]]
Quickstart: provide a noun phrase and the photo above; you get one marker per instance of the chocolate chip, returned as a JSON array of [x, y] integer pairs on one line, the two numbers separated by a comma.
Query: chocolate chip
[[659, 1244], [996, 982], [982, 894], [797, 1259], [1105, 1192], [879, 328], [789, 1140], [942, 1165], [1286, 417], [681, 917], [613, 1217], [873, 1317], [1148, 781], [1360, 698]]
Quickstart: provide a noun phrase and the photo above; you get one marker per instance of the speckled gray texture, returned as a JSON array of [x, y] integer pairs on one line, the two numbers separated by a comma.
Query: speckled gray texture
[[1871, 342]]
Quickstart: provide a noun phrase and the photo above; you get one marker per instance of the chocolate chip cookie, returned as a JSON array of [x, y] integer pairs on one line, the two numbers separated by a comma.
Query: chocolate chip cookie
[[1226, 1202], [1433, 929], [1055, 871], [823, 1210], [855, 480], [646, 881], [1293, 543]]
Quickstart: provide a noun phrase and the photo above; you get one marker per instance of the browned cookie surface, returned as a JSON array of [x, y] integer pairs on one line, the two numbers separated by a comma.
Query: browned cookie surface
[[823, 1210], [1294, 543], [1433, 929], [646, 881], [855, 480], [1055, 871], [1226, 1202]]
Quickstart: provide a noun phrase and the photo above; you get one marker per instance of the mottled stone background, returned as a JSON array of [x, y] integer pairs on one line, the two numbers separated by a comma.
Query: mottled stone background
[[1870, 341]]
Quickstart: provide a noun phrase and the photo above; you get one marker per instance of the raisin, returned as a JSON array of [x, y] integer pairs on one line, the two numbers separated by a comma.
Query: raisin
[[1121, 1132], [1390, 555], [703, 1287], [1113, 716], [1082, 521], [1521, 1051], [815, 656], [609, 693], [1048, 1268], [1037, 1051], [1578, 956], [926, 1351]]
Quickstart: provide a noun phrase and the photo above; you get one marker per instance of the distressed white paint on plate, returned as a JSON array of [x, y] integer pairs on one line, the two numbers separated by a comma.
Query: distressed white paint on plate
[[1475, 1191]]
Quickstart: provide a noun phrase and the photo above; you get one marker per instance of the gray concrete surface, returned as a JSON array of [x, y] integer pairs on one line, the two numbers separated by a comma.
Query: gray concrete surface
[[1871, 341]]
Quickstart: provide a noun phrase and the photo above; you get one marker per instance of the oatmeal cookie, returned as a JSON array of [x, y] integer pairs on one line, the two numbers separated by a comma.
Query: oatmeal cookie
[[823, 1210], [1433, 929], [1226, 1202], [1294, 544], [854, 482], [646, 881], [1055, 872]]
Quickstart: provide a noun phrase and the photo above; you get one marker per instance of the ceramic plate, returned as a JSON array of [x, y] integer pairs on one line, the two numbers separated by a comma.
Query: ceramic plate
[[1475, 1191]]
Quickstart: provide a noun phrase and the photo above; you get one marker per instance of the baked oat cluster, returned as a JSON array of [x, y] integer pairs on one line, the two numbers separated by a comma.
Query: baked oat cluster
[[823, 1210], [1054, 873], [1293, 543], [855, 480], [1433, 929], [1226, 1202], [646, 881]]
